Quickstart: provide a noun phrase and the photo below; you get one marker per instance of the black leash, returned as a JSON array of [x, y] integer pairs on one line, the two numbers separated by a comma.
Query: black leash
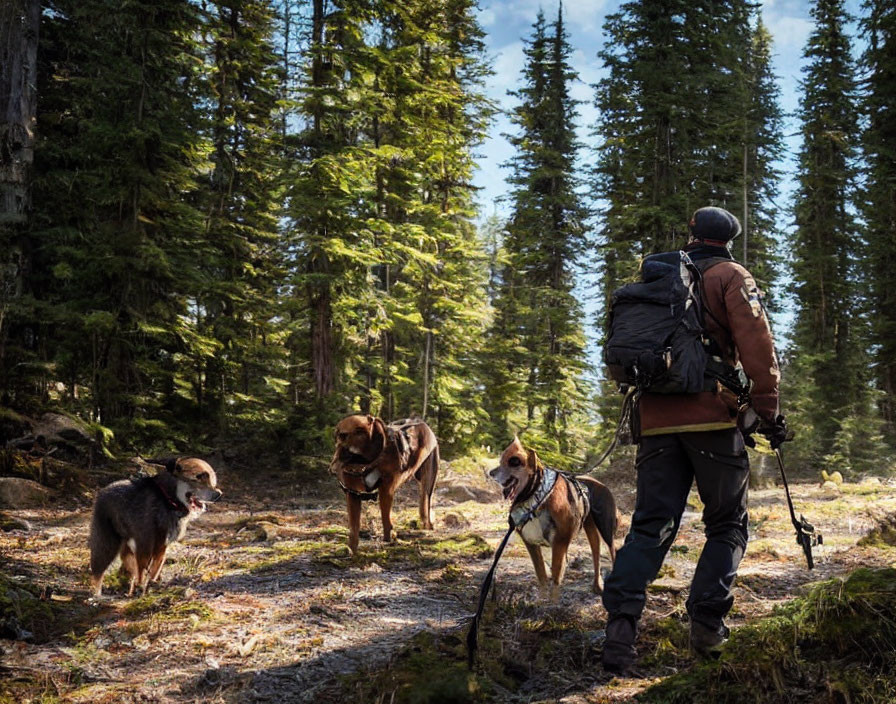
[[806, 536], [628, 403], [473, 634]]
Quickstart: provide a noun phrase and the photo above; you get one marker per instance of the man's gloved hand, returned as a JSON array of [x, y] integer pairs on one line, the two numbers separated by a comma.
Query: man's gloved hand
[[776, 433]]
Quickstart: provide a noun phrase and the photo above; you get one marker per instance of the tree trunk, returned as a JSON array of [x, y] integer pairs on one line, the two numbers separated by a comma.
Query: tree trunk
[[426, 362], [746, 227], [19, 23]]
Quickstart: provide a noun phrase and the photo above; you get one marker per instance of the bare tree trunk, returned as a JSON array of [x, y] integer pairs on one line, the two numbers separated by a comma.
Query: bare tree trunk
[[19, 23], [746, 226], [426, 363], [319, 292]]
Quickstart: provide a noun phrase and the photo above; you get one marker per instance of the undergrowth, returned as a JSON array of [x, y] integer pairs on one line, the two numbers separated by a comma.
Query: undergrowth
[[837, 643]]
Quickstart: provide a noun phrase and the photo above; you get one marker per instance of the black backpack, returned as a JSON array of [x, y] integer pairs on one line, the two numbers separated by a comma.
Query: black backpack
[[655, 330]]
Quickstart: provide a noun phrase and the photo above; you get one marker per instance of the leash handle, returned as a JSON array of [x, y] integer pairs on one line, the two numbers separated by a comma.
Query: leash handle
[[805, 531]]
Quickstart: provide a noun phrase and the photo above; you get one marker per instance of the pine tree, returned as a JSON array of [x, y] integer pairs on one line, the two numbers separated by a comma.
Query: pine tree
[[879, 206], [19, 28], [828, 330], [762, 150], [240, 202], [118, 153], [546, 235]]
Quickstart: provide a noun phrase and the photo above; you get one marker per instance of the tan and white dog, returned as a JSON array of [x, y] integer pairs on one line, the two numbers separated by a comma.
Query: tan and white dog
[[549, 508]]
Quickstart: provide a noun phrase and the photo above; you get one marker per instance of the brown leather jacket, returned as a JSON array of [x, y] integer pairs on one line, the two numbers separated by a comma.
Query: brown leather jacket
[[737, 322]]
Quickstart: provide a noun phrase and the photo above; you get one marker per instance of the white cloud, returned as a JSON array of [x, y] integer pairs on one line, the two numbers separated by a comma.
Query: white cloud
[[487, 17], [507, 67]]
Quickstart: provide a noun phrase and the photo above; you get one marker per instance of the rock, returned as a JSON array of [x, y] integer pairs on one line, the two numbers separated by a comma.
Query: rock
[[459, 493], [8, 523], [830, 487], [455, 520], [56, 427], [834, 477], [22, 493], [265, 530]]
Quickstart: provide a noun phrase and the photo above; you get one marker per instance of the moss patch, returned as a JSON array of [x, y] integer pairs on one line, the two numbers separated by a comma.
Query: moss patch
[[168, 605], [429, 670], [840, 637], [884, 534]]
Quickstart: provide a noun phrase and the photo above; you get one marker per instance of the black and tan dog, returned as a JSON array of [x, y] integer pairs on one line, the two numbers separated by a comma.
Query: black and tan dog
[[373, 459], [549, 508], [138, 518]]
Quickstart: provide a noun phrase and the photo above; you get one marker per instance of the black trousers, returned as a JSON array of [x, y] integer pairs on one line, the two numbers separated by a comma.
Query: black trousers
[[667, 466]]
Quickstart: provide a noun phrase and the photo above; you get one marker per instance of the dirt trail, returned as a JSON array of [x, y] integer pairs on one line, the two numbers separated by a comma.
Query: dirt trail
[[263, 603]]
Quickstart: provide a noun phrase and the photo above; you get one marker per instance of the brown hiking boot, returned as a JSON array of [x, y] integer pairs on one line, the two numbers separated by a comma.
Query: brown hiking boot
[[619, 647], [705, 641]]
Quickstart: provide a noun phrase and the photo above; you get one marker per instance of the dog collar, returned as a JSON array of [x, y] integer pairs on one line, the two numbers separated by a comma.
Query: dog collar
[[175, 504], [522, 513]]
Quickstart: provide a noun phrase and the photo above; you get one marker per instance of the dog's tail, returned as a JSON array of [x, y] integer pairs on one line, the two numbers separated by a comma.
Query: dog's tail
[[104, 541], [603, 512]]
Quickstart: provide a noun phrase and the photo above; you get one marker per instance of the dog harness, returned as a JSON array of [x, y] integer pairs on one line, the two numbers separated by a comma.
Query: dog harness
[[397, 434], [524, 514]]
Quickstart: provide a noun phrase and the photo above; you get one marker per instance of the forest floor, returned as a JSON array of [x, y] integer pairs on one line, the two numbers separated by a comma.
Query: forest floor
[[263, 603]]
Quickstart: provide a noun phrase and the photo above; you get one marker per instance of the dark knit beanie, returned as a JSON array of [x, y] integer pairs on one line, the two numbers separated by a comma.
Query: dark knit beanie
[[714, 224]]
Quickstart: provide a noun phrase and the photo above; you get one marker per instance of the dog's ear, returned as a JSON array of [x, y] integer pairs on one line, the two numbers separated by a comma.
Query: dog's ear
[[532, 459], [172, 464], [378, 434]]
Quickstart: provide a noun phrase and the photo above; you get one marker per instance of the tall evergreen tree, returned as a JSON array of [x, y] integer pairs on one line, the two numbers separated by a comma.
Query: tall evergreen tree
[[240, 201], [120, 147], [689, 118], [826, 246], [879, 206], [762, 149], [546, 235], [19, 29]]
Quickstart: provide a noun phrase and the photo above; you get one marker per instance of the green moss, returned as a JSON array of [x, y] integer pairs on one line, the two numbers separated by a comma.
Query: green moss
[[168, 605], [883, 535], [840, 637], [429, 670], [668, 639], [421, 551]]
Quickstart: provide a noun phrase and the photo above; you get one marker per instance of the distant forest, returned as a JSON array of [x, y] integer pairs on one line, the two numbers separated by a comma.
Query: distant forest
[[226, 224]]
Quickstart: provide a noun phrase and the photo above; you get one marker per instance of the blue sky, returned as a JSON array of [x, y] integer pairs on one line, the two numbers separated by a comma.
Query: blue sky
[[507, 22]]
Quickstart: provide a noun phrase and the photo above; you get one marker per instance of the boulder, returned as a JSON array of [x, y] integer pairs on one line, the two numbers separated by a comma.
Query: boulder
[[22, 493], [60, 429], [830, 487]]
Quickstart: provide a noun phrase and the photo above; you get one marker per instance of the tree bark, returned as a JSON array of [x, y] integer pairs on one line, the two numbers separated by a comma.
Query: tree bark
[[19, 23]]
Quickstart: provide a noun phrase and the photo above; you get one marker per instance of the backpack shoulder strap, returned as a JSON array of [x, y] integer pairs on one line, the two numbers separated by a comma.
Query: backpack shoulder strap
[[702, 266]]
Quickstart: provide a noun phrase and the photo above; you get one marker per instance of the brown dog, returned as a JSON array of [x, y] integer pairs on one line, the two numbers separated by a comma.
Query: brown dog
[[550, 507], [373, 459], [137, 519]]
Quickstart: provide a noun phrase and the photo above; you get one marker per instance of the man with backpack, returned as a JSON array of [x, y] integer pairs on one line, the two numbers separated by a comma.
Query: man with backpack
[[693, 434]]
